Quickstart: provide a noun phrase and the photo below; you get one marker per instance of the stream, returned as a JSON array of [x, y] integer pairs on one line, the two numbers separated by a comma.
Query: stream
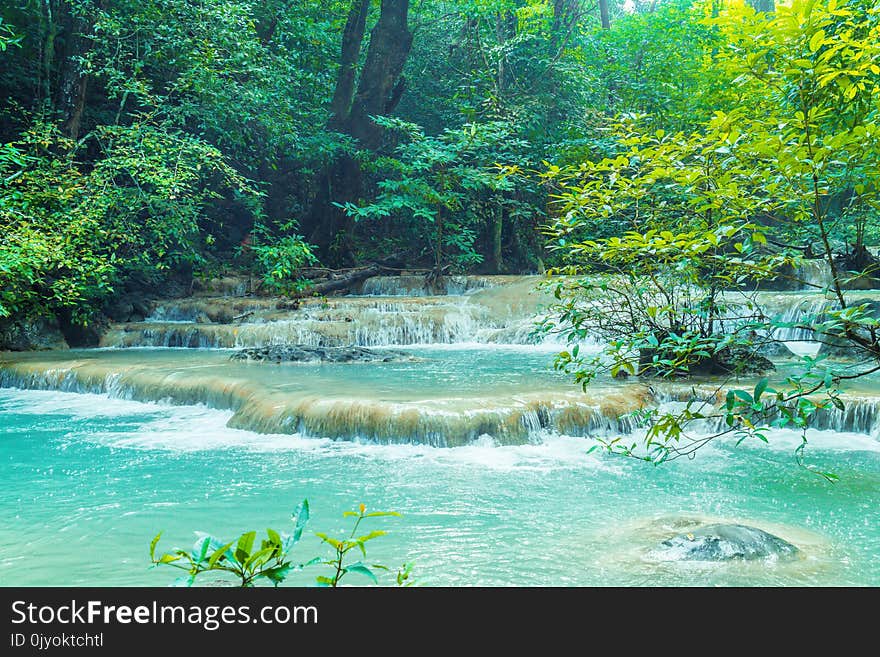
[[474, 438]]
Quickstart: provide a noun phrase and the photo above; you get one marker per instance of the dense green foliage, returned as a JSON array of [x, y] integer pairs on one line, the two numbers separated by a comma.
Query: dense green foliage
[[677, 230], [150, 141]]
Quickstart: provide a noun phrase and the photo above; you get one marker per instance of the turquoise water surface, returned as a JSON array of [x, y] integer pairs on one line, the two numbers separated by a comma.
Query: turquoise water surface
[[88, 480]]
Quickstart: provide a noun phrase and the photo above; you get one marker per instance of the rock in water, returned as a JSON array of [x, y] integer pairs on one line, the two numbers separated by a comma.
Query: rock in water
[[303, 354], [726, 542]]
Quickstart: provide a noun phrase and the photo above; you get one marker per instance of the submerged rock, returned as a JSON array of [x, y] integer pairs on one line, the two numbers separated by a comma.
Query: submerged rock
[[726, 542], [304, 354]]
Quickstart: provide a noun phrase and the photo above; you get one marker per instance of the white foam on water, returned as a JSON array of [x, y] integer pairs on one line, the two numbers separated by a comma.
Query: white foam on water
[[165, 427], [546, 347], [73, 404], [826, 440]]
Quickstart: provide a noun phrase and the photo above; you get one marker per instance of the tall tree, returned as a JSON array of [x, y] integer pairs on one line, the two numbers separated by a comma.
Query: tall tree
[[352, 38], [379, 89], [766, 6], [604, 14], [72, 79], [381, 83]]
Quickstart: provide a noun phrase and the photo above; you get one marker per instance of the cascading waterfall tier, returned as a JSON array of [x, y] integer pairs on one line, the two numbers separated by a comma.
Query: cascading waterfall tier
[[339, 401], [437, 401], [489, 309], [498, 384]]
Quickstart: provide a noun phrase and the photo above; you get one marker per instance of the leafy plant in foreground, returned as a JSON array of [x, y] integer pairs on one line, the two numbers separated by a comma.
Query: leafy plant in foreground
[[342, 546], [271, 560]]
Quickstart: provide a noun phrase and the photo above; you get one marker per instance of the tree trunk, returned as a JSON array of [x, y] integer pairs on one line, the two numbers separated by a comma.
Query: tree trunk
[[352, 38], [497, 226], [340, 182], [49, 25], [560, 12], [72, 81], [381, 84], [604, 14], [765, 6], [565, 15], [438, 245], [378, 92], [344, 282]]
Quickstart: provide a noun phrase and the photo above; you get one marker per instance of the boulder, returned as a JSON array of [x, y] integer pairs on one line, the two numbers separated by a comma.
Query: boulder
[[774, 349], [739, 359], [862, 268], [726, 542], [736, 359], [31, 335], [304, 354], [840, 347], [127, 307]]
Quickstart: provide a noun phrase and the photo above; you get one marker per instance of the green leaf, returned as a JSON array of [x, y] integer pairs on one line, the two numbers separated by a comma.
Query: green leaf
[[301, 517], [279, 573], [336, 544], [218, 555], [760, 388], [153, 544], [742, 394], [376, 533], [817, 40], [362, 568], [200, 548], [244, 546], [259, 557]]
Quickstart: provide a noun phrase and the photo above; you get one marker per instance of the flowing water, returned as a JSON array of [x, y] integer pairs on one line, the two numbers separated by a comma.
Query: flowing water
[[482, 447]]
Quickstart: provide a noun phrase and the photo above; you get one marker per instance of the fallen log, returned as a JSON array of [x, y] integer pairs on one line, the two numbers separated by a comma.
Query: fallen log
[[343, 282]]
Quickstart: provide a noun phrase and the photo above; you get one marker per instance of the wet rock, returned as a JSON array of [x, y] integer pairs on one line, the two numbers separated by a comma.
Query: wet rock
[[220, 315], [774, 350], [726, 542], [78, 334], [837, 346], [740, 360], [31, 335], [862, 269], [303, 354], [787, 279], [119, 309], [129, 307], [736, 359]]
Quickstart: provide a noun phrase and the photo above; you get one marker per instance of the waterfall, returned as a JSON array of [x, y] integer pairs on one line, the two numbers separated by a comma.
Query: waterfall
[[341, 411], [804, 311], [476, 309], [417, 285], [813, 274]]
